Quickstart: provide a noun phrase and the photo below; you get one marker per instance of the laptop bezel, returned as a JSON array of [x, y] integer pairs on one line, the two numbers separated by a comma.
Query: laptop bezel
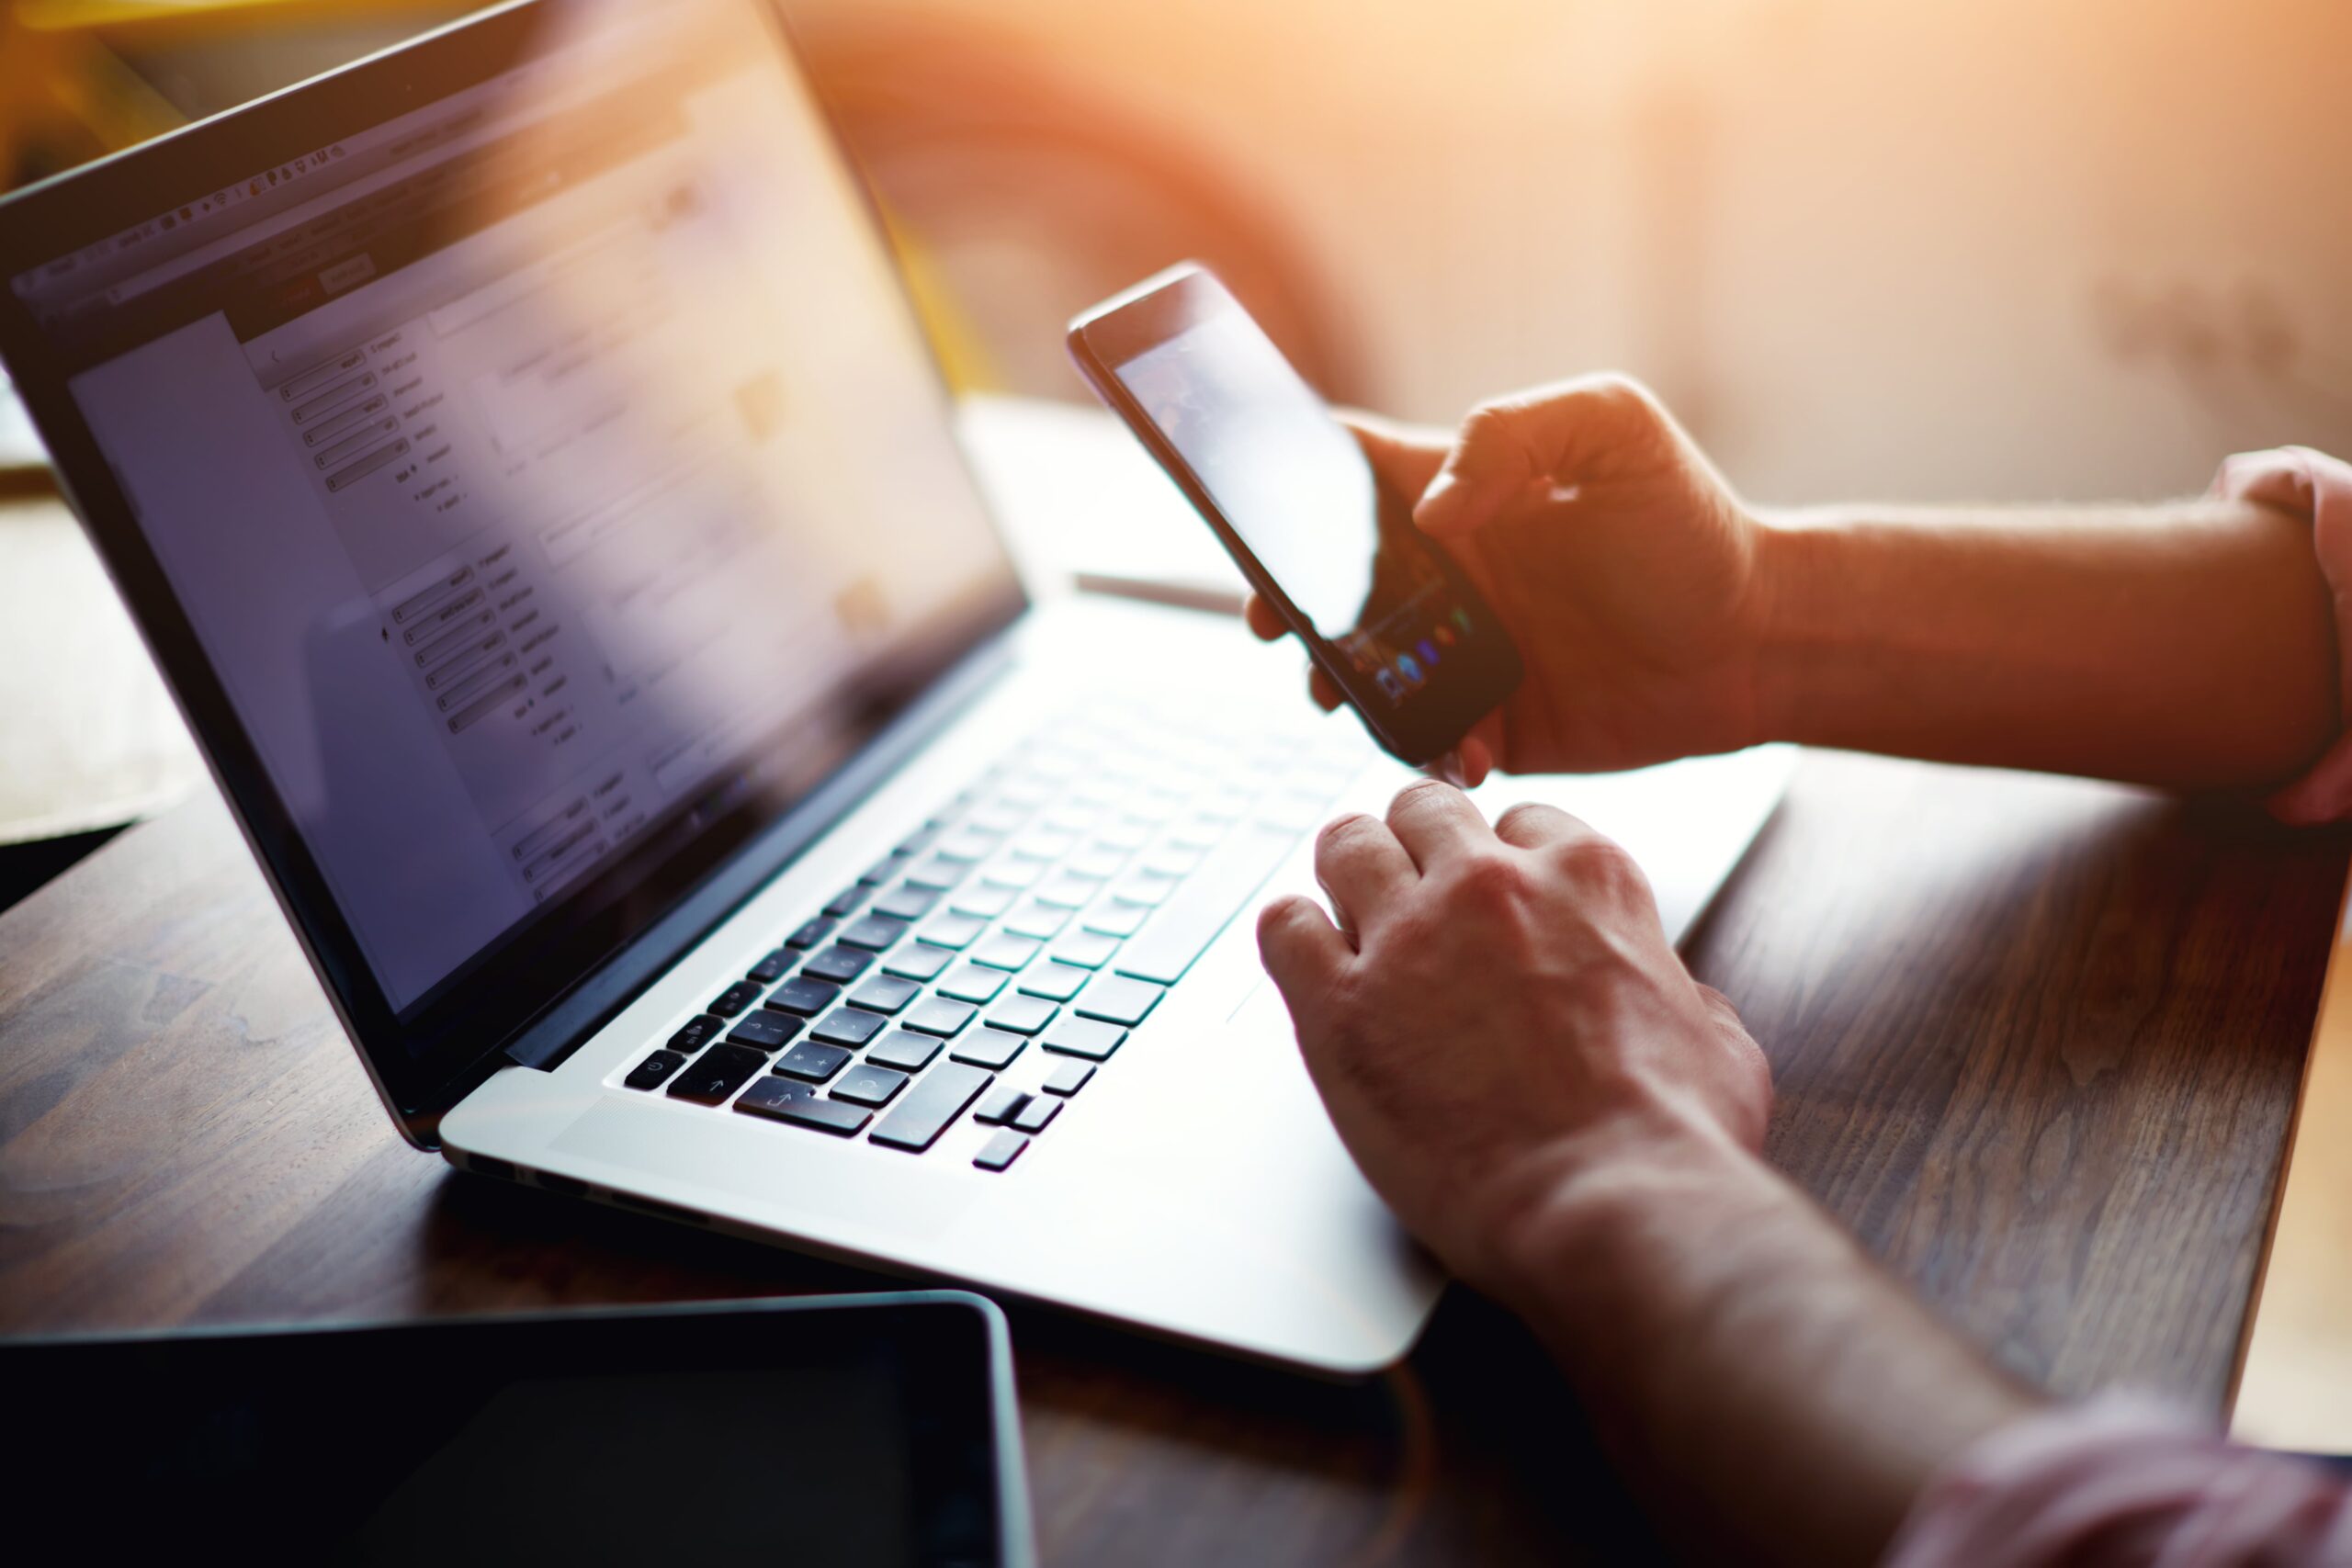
[[473, 1029]]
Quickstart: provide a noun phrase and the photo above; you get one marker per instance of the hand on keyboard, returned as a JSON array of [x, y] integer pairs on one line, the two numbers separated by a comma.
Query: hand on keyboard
[[1497, 1009]]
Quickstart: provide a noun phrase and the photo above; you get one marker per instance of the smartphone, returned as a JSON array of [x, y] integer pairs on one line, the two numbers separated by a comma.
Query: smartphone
[[1384, 611]]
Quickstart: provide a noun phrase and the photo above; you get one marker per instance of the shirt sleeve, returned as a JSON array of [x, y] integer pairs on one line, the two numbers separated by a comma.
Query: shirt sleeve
[[2124, 1481], [2318, 489]]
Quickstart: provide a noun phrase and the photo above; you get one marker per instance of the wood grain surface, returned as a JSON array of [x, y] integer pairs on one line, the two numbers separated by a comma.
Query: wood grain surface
[[2038, 1042]]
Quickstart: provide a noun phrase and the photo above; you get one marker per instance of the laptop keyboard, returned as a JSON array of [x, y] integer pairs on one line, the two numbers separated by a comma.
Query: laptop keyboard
[[1014, 942]]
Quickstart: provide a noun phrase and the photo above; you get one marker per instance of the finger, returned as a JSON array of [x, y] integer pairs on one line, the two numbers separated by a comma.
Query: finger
[[1363, 867], [1532, 825], [1325, 691], [1509, 445], [1303, 951], [1476, 761], [1403, 460], [1480, 750], [1435, 821], [1491, 461], [1263, 619]]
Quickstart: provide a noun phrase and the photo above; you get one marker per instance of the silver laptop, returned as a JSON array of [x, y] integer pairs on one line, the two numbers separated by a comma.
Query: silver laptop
[[523, 463]]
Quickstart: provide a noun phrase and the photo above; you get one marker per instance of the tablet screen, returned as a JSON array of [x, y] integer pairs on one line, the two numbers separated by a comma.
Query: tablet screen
[[857, 1436]]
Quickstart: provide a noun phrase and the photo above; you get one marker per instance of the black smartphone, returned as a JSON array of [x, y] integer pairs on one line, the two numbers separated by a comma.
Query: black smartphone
[[865, 1431], [1382, 610]]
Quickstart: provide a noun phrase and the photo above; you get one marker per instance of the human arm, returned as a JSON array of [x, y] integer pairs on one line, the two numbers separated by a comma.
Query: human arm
[[1527, 1075], [2188, 644], [1530, 1079]]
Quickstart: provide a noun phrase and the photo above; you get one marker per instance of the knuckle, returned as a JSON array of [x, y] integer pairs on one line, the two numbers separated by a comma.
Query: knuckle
[[1527, 817], [1340, 831], [1491, 420], [1603, 864], [1418, 795], [1495, 881]]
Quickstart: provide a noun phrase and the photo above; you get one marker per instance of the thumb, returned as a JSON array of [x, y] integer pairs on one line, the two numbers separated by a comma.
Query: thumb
[[1489, 464]]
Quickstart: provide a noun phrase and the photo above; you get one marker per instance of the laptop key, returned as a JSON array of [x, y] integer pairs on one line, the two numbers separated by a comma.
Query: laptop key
[[1098, 862], [786, 1100], [951, 931], [1057, 982], [718, 1073], [909, 1053], [992, 1048], [697, 1031], [1069, 1078], [918, 962], [806, 996], [1004, 951], [1083, 1037], [1037, 918], [1203, 903], [925, 1110], [882, 869], [943, 1016], [1001, 1150], [837, 964], [848, 1026], [811, 1061], [885, 993], [999, 1106], [1172, 863], [997, 819], [874, 933], [1043, 844], [764, 1029], [938, 873], [1022, 1015], [1088, 950], [1034, 1116], [1013, 872], [967, 845], [734, 999], [1113, 918], [810, 933], [649, 1073], [970, 983], [846, 901], [1151, 891], [905, 903], [1114, 998], [1065, 892], [867, 1084], [983, 902]]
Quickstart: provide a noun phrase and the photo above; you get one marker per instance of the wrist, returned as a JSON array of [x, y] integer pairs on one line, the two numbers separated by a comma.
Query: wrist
[[1789, 549], [1587, 1201]]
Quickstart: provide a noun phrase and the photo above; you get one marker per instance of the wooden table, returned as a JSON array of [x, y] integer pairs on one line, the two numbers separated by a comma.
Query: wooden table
[[2038, 1042]]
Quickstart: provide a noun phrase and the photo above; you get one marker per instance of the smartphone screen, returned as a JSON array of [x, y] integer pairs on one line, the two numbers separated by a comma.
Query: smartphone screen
[[1405, 635]]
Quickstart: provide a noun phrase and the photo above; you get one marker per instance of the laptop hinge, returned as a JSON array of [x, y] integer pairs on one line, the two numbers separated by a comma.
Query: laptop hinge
[[528, 1052]]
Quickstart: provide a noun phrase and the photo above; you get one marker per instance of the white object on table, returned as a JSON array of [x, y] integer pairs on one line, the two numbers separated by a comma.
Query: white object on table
[[1082, 505], [88, 737]]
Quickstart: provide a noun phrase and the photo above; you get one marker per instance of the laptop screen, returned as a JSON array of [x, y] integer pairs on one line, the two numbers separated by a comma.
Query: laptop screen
[[551, 473]]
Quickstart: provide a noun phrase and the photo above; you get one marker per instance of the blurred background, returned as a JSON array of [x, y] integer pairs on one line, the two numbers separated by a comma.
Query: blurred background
[[1938, 250], [1941, 249]]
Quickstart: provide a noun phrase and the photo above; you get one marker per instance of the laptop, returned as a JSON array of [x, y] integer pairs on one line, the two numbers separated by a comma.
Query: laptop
[[527, 471]]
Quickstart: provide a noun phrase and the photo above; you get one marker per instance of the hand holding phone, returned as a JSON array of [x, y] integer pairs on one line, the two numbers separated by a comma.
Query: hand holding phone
[[1385, 612]]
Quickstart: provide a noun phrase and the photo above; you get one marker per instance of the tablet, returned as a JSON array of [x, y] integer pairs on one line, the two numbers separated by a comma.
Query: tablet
[[861, 1431]]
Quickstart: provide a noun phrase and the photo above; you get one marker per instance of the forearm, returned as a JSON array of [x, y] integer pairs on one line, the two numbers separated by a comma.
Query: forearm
[[2189, 645], [1736, 1351]]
